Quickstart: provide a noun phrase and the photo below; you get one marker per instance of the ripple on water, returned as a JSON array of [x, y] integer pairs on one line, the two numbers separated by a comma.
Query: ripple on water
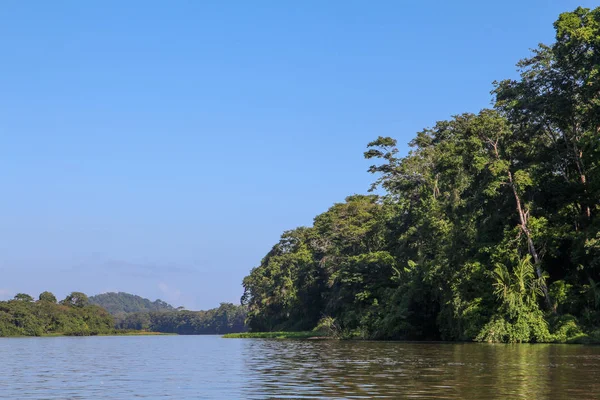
[[207, 367]]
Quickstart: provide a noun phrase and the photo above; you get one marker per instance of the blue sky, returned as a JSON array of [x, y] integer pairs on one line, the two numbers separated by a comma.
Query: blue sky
[[161, 148]]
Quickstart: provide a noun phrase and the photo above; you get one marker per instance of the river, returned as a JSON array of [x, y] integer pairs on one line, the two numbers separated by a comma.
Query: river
[[209, 367]]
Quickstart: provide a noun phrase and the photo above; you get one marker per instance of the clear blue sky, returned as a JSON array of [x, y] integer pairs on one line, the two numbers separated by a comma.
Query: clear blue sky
[[161, 148]]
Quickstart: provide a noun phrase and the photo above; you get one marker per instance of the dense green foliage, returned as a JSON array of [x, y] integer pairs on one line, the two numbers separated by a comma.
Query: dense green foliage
[[77, 315], [487, 230], [73, 316], [226, 318], [133, 312], [124, 303]]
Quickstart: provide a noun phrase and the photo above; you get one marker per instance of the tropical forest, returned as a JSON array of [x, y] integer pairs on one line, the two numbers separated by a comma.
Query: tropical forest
[[111, 314], [487, 230]]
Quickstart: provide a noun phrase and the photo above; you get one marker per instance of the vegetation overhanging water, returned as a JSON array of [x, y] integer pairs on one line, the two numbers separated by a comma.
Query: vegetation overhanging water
[[487, 230]]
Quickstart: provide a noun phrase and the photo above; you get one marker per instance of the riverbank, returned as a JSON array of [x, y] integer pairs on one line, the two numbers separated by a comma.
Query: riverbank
[[585, 339], [115, 333], [137, 333], [276, 335]]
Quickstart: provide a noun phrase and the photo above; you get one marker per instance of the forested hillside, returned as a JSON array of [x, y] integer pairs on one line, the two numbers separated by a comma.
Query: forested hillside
[[122, 303], [132, 312], [487, 230], [23, 316]]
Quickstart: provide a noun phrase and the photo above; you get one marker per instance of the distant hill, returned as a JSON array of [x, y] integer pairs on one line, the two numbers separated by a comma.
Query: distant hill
[[134, 312], [125, 303]]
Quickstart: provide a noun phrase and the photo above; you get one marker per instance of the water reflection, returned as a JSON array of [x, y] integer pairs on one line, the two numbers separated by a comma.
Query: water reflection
[[420, 370], [208, 367]]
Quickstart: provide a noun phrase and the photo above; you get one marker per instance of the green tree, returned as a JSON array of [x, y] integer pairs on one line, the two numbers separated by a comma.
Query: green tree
[[76, 299], [23, 297], [487, 229], [24, 317], [47, 297]]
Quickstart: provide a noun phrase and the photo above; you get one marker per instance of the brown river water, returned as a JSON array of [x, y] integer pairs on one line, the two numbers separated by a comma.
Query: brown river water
[[210, 367]]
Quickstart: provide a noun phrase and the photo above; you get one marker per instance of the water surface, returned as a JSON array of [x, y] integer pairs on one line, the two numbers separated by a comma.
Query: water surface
[[209, 367]]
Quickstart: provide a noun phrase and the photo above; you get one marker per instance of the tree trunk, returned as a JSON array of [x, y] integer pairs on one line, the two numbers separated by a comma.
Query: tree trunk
[[523, 217]]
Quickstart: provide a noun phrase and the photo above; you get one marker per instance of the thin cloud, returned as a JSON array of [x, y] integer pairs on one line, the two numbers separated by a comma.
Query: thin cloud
[[171, 294], [138, 269]]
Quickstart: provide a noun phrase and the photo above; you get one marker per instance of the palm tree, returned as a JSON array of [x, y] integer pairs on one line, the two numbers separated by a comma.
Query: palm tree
[[519, 289]]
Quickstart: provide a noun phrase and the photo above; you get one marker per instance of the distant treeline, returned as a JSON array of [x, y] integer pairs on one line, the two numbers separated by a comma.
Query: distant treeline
[[137, 313], [487, 230], [227, 318], [74, 316]]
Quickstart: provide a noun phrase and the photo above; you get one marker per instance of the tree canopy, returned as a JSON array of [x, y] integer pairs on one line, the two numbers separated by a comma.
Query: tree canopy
[[121, 302], [77, 316], [24, 317], [487, 230], [227, 318], [133, 312]]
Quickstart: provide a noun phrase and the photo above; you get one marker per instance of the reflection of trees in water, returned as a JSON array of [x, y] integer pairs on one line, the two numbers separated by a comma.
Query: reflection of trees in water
[[318, 369]]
